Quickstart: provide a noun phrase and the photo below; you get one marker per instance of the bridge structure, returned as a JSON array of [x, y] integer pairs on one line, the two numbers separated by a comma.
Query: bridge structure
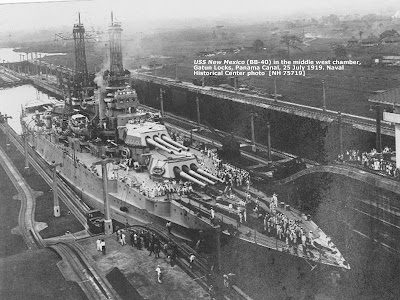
[[33, 65], [7, 79], [47, 82]]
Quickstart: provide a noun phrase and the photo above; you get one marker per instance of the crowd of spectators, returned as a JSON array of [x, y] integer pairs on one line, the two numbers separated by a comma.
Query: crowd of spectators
[[373, 160], [140, 239]]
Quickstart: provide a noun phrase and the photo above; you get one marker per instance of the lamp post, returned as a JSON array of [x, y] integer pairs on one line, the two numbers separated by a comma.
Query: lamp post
[[323, 96], [5, 117], [198, 110], [191, 134], [53, 168], [340, 133], [269, 140], [36, 64], [161, 103], [253, 135], [275, 91], [25, 137], [108, 228], [378, 128], [39, 63]]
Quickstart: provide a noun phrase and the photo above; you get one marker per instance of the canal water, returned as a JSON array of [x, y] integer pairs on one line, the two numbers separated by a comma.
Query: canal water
[[334, 202], [12, 100]]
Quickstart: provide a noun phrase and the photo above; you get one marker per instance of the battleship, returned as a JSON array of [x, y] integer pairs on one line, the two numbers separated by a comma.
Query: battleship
[[126, 163]]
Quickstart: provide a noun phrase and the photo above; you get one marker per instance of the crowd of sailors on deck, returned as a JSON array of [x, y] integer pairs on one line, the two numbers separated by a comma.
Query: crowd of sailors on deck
[[373, 160], [230, 174], [168, 187], [287, 230], [274, 223], [234, 176]]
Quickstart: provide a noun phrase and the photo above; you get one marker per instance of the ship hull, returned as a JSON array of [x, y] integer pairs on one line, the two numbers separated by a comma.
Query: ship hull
[[136, 207]]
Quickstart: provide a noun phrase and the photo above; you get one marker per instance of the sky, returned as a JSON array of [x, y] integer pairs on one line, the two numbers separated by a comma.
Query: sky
[[25, 15]]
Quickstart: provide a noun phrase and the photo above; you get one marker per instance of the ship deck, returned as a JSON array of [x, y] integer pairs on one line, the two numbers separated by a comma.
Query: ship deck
[[326, 253], [133, 177]]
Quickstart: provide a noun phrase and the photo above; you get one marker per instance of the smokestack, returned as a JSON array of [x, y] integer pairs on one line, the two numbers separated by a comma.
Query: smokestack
[[102, 104]]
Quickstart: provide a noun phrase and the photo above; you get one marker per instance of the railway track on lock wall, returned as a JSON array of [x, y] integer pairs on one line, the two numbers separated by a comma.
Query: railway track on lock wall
[[88, 278], [66, 194], [26, 218], [95, 287]]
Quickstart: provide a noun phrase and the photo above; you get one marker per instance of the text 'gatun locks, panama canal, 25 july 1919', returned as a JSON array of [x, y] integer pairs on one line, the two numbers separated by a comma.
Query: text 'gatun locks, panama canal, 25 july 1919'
[[267, 67]]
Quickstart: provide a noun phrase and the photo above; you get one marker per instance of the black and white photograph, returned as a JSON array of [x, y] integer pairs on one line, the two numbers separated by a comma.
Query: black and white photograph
[[205, 150]]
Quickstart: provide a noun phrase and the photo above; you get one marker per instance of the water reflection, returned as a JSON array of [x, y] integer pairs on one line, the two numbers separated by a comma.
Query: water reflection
[[12, 99]]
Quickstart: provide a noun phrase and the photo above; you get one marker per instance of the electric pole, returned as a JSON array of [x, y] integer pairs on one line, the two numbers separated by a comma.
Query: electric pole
[[53, 168], [108, 227]]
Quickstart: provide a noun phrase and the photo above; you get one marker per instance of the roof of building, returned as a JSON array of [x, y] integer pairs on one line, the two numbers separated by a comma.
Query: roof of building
[[394, 57], [391, 97], [353, 39], [370, 40], [391, 39]]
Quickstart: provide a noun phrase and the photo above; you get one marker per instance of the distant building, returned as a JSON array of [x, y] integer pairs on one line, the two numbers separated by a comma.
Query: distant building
[[352, 41], [206, 53], [370, 41], [388, 60], [228, 50], [391, 40], [248, 48], [152, 66]]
